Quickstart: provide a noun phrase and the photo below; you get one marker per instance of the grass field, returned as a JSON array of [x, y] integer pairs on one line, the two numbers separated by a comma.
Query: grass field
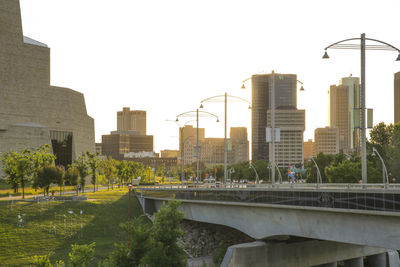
[[30, 228]]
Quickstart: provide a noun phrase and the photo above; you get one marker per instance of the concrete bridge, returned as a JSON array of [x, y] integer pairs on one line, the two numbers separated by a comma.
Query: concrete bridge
[[342, 223]]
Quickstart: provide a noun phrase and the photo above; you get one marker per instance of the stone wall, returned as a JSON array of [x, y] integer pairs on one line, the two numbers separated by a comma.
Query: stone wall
[[26, 96]]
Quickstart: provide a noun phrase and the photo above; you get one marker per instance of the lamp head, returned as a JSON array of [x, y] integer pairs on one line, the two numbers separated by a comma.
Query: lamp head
[[249, 107], [217, 120], [302, 88], [243, 87], [177, 119], [373, 153], [398, 57], [325, 56], [201, 105]]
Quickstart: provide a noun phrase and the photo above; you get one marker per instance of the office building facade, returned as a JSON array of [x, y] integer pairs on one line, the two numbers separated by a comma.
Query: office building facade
[[131, 120], [326, 141], [285, 98], [289, 150], [344, 110], [308, 149]]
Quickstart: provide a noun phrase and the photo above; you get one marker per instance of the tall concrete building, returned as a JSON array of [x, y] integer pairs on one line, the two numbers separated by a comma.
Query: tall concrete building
[[397, 97], [326, 140], [212, 149], [131, 120], [289, 151], [344, 104], [32, 112], [240, 144], [285, 98], [308, 149], [189, 132], [119, 143]]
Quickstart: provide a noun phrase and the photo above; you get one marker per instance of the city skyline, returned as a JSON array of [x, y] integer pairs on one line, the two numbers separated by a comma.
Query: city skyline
[[166, 59]]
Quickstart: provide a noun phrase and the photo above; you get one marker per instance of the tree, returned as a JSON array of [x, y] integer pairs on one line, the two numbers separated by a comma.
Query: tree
[[109, 169], [72, 176], [93, 161], [166, 229], [9, 162], [81, 164], [24, 169], [45, 176], [81, 255], [41, 157], [323, 161], [125, 172]]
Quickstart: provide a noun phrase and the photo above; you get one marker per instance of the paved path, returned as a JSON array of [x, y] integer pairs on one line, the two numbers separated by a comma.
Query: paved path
[[88, 190]]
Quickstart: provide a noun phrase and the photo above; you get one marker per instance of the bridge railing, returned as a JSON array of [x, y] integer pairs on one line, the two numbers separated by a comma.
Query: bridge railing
[[372, 199], [295, 186]]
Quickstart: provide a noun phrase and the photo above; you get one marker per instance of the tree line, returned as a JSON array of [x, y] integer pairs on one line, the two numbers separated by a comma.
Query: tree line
[[37, 168]]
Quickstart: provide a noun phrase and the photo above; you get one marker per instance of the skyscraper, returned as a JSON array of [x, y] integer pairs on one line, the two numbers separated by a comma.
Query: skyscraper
[[344, 104], [285, 98], [397, 97], [131, 120]]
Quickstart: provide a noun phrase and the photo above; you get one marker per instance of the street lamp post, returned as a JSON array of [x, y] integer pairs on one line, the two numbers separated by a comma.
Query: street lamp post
[[225, 96], [319, 177], [191, 114], [385, 177], [362, 47], [257, 177], [129, 235]]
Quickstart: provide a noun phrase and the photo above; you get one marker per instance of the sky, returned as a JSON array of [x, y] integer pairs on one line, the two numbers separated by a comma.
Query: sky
[[165, 57]]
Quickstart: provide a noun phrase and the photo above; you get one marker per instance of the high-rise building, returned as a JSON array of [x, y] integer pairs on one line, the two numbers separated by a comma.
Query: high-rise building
[[33, 112], [190, 132], [285, 98], [397, 97], [289, 150], [326, 140], [344, 104], [117, 144], [212, 149], [131, 120], [130, 137], [240, 144], [308, 149]]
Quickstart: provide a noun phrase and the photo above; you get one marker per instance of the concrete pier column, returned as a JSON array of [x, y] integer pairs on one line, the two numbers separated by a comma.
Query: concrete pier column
[[393, 258], [332, 264], [357, 262], [378, 260]]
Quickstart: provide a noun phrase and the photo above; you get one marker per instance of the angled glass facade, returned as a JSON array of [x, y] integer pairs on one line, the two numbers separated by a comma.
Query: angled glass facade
[[61, 143]]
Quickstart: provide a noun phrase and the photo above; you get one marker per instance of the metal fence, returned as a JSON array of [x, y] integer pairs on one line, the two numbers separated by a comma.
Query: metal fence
[[373, 200]]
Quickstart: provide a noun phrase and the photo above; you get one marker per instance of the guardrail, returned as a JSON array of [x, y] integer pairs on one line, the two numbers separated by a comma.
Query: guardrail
[[296, 186], [373, 200]]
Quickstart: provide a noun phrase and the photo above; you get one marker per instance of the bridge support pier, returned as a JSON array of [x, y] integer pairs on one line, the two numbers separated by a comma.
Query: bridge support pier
[[307, 253], [356, 262], [387, 259]]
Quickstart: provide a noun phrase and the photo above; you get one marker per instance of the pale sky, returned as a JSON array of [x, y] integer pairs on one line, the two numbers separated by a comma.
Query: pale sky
[[166, 56]]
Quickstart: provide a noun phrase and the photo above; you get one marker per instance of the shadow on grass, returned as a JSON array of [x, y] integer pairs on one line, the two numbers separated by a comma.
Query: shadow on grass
[[104, 227]]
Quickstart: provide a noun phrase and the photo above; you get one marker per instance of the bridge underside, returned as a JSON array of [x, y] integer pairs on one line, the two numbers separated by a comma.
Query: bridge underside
[[261, 221]]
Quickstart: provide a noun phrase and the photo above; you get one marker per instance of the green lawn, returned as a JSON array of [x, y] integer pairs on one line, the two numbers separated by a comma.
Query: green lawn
[[54, 226]]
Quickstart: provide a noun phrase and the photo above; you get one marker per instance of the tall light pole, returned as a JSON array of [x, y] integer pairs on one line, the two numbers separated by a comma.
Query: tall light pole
[[272, 108], [225, 97], [362, 46], [257, 178], [319, 177], [196, 114], [384, 170]]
